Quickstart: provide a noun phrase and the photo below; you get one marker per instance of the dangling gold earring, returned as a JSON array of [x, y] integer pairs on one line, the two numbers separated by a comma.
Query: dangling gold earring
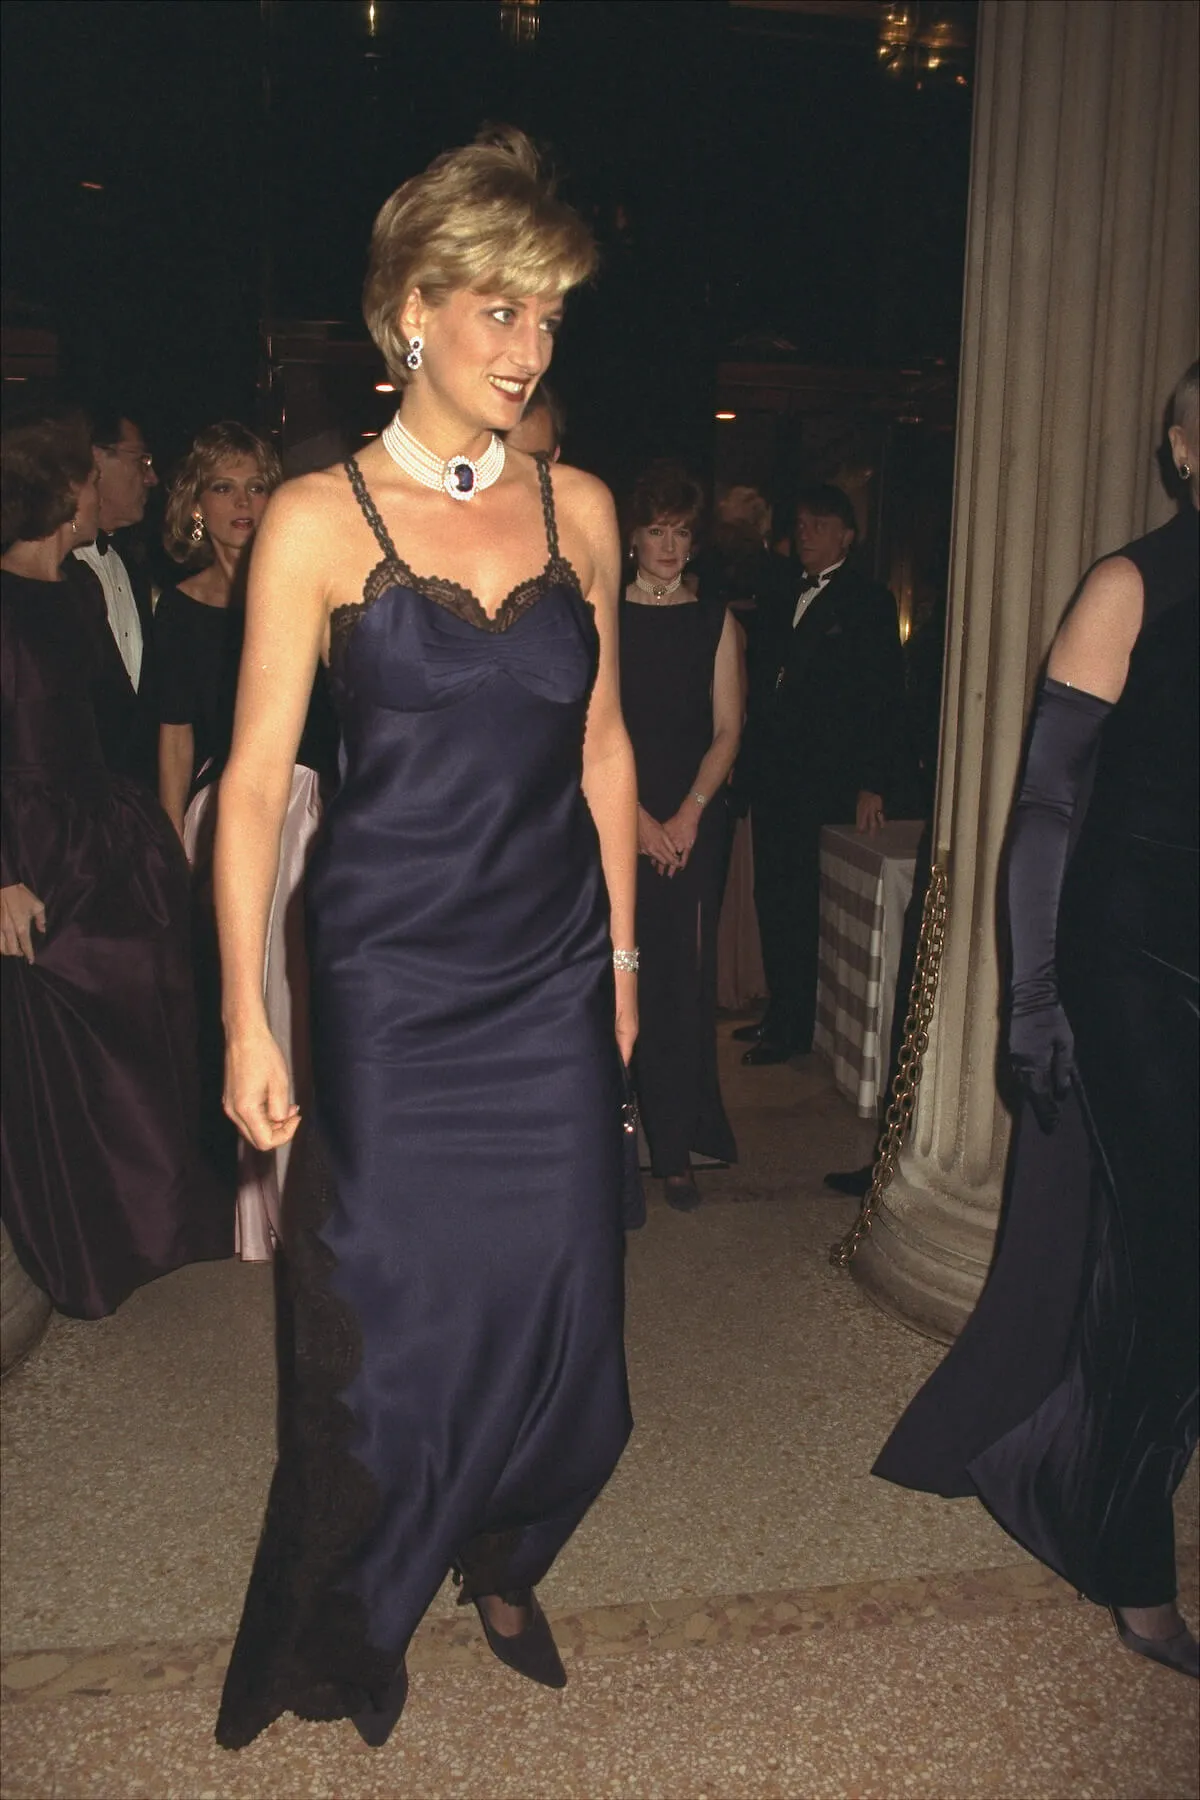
[[197, 532]]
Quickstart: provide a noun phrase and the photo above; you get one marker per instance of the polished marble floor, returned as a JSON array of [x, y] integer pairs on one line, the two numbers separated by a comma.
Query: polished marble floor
[[746, 1611]]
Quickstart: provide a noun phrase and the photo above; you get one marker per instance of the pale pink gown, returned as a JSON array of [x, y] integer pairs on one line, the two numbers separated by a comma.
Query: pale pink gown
[[285, 989]]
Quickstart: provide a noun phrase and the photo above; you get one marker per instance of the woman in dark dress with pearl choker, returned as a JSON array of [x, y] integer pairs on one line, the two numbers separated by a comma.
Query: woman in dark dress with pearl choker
[[681, 686], [454, 1390]]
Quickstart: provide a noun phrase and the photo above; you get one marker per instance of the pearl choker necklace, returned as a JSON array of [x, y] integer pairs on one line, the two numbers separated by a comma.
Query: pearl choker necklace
[[658, 590], [461, 478]]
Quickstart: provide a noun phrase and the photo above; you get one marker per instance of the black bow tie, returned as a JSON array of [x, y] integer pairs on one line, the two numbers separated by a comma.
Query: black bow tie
[[102, 542]]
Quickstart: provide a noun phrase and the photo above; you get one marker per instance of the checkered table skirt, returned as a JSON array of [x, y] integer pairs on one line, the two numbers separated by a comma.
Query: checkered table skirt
[[866, 885]]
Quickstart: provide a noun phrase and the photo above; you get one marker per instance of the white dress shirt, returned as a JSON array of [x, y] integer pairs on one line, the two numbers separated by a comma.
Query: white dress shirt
[[123, 615], [807, 594]]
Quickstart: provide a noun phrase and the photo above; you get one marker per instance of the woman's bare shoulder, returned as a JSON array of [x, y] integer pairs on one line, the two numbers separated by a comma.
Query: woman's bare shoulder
[[584, 502], [312, 507], [1094, 642], [1110, 601], [315, 492], [578, 487]]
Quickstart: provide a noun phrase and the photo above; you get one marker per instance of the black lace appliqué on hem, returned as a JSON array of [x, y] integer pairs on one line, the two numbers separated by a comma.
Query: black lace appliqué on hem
[[303, 1644]]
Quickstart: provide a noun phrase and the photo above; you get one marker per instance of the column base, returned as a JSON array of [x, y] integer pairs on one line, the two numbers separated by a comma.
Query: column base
[[926, 1258]]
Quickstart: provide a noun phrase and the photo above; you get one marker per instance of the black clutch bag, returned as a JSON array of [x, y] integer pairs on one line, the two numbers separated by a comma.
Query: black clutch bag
[[633, 1195]]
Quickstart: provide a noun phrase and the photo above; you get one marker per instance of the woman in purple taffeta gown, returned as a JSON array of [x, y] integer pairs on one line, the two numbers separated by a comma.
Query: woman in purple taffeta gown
[[100, 1180]]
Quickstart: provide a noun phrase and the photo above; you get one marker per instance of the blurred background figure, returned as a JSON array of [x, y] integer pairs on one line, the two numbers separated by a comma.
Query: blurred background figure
[[102, 1185], [215, 503], [924, 662], [739, 565], [126, 711], [751, 578], [826, 744], [681, 688], [540, 429]]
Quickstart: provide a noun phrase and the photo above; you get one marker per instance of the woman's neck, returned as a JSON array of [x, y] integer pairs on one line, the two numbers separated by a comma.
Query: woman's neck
[[653, 590], [441, 429], [38, 559], [217, 584]]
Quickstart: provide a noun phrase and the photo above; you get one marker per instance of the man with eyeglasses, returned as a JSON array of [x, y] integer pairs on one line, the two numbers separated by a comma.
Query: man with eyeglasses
[[125, 709]]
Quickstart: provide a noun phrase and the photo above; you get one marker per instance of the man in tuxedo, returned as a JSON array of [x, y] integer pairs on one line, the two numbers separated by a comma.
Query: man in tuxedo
[[124, 697], [825, 738]]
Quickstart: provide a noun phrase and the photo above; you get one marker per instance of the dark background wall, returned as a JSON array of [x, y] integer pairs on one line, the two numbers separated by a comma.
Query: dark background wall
[[759, 179]]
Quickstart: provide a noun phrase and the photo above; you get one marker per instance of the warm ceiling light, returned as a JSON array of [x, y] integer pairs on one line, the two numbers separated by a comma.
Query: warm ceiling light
[[385, 387], [726, 415], [368, 434], [93, 187]]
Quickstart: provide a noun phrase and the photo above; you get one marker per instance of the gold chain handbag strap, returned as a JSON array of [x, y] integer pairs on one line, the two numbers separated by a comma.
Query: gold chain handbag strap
[[907, 1078]]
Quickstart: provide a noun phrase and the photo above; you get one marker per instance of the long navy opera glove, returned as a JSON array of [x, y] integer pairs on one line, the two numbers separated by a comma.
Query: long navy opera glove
[[1062, 749]]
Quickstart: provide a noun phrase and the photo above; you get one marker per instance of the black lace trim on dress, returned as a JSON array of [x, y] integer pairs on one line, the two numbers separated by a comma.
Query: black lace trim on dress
[[303, 1644], [451, 595], [482, 1566]]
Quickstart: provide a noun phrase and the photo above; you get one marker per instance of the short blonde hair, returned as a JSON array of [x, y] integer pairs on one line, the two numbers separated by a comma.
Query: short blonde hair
[[216, 444], [484, 217]]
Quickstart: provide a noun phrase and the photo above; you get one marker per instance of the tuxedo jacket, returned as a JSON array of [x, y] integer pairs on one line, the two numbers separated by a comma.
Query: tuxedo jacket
[[126, 717], [831, 721]]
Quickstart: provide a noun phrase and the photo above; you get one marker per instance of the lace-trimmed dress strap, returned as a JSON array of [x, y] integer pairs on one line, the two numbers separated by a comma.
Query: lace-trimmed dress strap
[[370, 511], [543, 468]]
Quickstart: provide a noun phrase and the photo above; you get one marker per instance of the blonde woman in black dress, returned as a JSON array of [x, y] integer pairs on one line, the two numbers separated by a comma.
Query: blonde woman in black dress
[[216, 502]]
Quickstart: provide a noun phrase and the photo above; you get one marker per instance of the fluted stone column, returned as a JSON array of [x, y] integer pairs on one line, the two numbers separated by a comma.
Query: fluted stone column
[[1080, 311]]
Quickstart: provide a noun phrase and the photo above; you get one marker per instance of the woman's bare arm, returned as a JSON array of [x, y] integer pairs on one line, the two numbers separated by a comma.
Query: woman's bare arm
[[286, 616], [1096, 638], [729, 713], [609, 777], [176, 754]]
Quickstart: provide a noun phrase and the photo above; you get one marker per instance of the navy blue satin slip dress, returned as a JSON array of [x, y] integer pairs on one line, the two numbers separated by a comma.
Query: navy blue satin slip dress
[[453, 1390]]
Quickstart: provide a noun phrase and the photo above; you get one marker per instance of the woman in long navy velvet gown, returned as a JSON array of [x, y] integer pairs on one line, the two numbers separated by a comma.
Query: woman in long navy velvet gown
[[1069, 1403], [454, 1390]]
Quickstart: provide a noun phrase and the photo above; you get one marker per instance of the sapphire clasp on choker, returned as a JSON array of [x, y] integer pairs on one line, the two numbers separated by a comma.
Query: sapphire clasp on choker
[[460, 478]]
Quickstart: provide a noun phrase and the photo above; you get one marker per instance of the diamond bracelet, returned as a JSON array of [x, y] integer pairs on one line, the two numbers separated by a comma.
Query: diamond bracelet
[[626, 960]]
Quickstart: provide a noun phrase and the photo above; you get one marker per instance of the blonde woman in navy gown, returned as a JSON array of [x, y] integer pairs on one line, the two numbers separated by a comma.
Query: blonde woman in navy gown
[[455, 1395]]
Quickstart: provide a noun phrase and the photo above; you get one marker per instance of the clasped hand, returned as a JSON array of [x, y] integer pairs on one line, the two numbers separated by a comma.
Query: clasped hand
[[258, 1090], [668, 846]]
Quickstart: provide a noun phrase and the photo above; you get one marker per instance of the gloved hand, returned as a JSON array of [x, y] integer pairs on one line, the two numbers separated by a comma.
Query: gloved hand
[[1062, 748], [1041, 1050]]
